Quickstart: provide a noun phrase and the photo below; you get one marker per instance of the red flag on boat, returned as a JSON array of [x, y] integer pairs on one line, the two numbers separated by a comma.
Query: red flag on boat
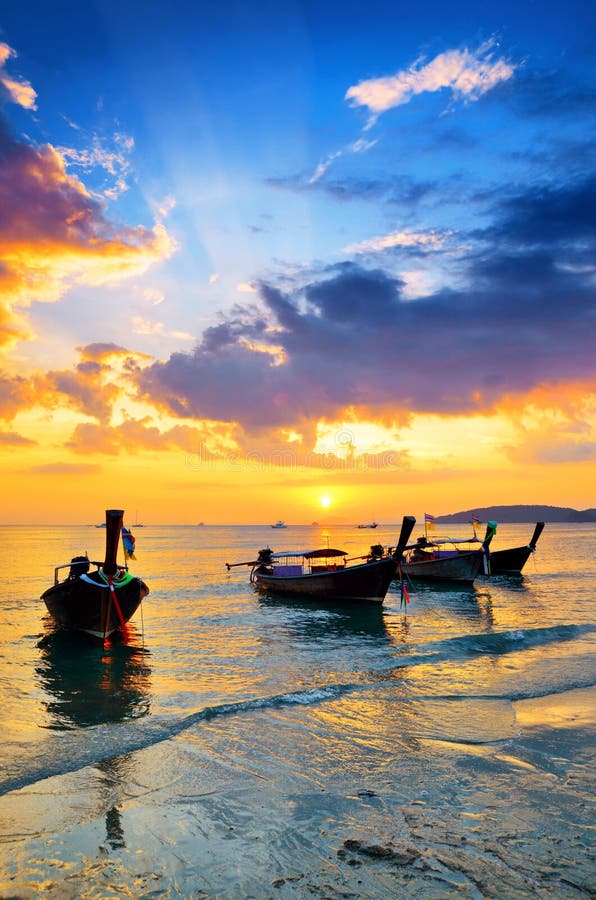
[[404, 596]]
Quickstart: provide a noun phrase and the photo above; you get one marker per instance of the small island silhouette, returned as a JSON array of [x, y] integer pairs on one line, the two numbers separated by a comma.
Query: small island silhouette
[[520, 513]]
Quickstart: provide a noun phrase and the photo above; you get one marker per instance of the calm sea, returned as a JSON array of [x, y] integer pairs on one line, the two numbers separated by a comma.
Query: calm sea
[[242, 746]]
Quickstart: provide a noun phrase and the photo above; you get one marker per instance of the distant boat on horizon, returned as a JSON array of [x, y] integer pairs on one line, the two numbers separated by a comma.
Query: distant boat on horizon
[[369, 525], [279, 524]]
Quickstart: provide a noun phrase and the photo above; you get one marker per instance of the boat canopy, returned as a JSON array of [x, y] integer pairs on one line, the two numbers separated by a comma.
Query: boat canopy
[[437, 542], [325, 553]]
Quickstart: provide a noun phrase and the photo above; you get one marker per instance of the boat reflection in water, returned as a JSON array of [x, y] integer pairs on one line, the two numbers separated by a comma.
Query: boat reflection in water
[[84, 688], [114, 772], [317, 619], [464, 600]]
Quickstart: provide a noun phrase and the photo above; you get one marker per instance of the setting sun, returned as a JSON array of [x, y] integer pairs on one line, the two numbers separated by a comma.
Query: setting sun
[[325, 501]]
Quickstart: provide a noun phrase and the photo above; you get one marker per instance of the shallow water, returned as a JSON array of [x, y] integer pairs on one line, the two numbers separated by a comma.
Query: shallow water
[[239, 745]]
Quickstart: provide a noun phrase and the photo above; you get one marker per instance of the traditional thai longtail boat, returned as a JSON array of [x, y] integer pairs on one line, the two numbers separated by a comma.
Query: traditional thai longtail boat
[[324, 574], [101, 602], [443, 559], [512, 561]]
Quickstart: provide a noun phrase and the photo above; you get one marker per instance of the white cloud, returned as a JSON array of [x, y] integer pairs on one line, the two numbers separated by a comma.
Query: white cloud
[[152, 295], [246, 288], [115, 161], [19, 91], [358, 146], [467, 74], [361, 145], [166, 206], [181, 335], [145, 326], [322, 167], [428, 240], [417, 284]]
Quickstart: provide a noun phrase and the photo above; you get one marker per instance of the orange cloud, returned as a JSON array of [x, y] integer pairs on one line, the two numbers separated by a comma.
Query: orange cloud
[[11, 438], [102, 376], [65, 469], [133, 435], [54, 234], [92, 387], [108, 354], [556, 423], [16, 393], [572, 398]]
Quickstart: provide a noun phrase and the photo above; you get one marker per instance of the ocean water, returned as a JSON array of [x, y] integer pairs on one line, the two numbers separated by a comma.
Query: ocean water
[[238, 745]]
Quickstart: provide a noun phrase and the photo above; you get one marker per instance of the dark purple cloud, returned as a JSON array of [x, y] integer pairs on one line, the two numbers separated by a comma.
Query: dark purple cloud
[[554, 94], [549, 216], [526, 316], [401, 189]]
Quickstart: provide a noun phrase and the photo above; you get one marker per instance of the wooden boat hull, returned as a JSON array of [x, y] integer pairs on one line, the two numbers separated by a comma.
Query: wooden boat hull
[[367, 583], [86, 604], [512, 561], [509, 562], [459, 567]]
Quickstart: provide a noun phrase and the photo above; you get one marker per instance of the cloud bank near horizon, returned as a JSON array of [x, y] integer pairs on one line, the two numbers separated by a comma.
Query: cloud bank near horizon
[[350, 338]]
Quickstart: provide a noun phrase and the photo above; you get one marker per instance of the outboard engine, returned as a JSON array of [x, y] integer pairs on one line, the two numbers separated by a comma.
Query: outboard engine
[[377, 551], [79, 565], [263, 563]]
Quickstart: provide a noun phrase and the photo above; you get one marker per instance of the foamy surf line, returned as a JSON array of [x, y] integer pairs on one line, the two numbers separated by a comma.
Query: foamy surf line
[[130, 737], [496, 643], [72, 751]]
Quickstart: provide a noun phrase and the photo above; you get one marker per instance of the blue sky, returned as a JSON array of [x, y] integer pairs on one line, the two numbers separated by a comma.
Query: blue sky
[[383, 210], [232, 107]]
